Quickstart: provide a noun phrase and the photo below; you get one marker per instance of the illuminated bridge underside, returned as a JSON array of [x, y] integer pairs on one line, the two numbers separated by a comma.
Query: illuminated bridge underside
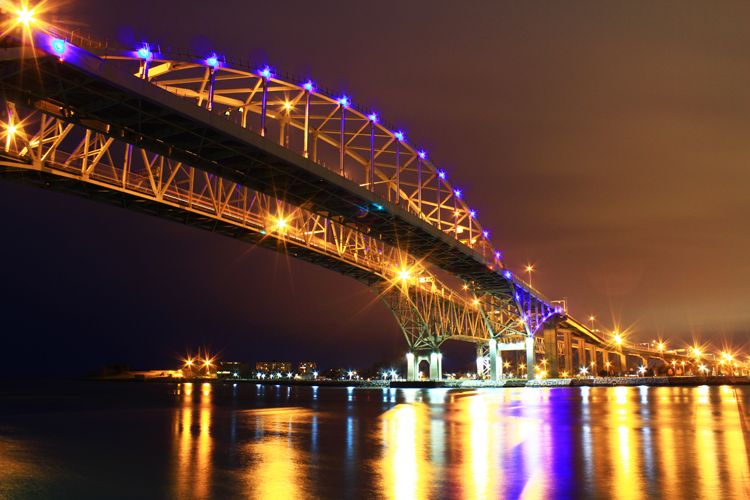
[[185, 141], [107, 97], [50, 152]]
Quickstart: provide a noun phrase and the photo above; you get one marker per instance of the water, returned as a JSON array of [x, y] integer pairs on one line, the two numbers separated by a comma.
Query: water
[[143, 440]]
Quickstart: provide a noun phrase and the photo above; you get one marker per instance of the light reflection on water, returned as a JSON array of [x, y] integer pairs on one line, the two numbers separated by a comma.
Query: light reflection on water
[[307, 442]]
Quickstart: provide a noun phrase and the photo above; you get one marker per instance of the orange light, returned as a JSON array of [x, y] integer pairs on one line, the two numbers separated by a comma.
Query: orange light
[[25, 16]]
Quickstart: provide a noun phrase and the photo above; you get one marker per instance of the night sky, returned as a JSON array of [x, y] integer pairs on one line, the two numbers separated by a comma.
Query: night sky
[[606, 143]]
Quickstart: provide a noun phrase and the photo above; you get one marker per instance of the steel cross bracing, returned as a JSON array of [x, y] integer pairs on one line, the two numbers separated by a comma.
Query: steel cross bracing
[[48, 150], [395, 181], [334, 170]]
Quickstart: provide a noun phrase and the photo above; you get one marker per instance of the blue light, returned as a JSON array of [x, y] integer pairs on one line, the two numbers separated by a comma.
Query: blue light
[[472, 213], [265, 72], [144, 52], [507, 274], [212, 61], [399, 135], [422, 154], [441, 174], [486, 233], [58, 46], [373, 117], [457, 193], [377, 206], [308, 85], [344, 101], [498, 254]]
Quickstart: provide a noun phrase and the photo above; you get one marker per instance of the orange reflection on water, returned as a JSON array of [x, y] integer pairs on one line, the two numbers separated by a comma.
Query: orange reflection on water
[[628, 459], [705, 444], [405, 469], [194, 465], [280, 465]]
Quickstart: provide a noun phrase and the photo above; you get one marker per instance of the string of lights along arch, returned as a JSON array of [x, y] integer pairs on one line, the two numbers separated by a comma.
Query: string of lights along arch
[[277, 161]]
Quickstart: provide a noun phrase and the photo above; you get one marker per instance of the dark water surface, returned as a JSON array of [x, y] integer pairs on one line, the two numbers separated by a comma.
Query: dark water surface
[[144, 440]]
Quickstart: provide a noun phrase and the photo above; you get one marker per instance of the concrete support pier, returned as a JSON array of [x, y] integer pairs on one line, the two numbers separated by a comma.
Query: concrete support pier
[[530, 357], [411, 368], [495, 371], [568, 352], [550, 350], [436, 365]]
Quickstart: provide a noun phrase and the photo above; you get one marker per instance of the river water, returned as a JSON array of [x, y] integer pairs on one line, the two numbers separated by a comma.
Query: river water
[[150, 440]]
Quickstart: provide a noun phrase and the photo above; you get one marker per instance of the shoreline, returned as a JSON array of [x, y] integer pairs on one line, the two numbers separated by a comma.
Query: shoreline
[[464, 384]]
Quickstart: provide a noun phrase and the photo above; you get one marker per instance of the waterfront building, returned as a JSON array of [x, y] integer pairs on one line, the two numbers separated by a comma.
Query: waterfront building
[[230, 369], [307, 367], [273, 366]]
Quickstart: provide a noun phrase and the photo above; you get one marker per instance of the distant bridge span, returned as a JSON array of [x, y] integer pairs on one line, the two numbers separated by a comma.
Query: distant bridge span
[[277, 162]]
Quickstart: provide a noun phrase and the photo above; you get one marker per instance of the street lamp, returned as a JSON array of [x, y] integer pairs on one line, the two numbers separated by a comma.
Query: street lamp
[[592, 318], [529, 269], [617, 338]]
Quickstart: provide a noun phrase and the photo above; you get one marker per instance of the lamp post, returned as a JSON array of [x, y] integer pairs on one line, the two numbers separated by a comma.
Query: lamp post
[[529, 270]]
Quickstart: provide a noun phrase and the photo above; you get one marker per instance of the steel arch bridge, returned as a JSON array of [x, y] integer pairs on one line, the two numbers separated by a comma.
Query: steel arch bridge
[[274, 161]]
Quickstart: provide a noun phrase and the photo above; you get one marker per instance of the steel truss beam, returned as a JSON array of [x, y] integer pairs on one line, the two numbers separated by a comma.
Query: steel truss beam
[[46, 149]]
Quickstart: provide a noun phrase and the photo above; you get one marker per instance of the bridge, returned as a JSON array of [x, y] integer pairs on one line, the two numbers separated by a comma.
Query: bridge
[[276, 161]]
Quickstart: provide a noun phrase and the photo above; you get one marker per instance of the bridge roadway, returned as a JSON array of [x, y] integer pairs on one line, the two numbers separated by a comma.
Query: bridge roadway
[[102, 96], [89, 91]]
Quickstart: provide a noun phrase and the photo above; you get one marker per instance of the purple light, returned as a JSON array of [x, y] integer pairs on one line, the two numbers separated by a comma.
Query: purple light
[[441, 174], [265, 72], [58, 46], [373, 117], [422, 154], [498, 254], [457, 193], [144, 52], [308, 85], [344, 101], [212, 61], [507, 274], [472, 213], [399, 136], [486, 233]]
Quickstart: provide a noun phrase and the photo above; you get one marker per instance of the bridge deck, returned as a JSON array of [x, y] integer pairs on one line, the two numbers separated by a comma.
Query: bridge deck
[[89, 91]]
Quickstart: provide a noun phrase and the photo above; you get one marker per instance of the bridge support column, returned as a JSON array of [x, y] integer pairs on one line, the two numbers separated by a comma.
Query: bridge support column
[[550, 350], [568, 350], [606, 366], [411, 368], [623, 363], [436, 365], [480, 361], [493, 360], [530, 358], [581, 347]]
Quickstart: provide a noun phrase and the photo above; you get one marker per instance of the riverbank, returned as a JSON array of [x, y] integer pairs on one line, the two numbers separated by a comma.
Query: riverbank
[[467, 383]]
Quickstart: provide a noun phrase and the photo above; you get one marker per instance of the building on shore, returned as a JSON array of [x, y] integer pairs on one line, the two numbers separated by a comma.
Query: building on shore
[[307, 368], [230, 369], [150, 374], [269, 367]]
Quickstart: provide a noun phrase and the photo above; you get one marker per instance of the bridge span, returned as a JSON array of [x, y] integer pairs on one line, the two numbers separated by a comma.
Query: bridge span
[[278, 162]]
